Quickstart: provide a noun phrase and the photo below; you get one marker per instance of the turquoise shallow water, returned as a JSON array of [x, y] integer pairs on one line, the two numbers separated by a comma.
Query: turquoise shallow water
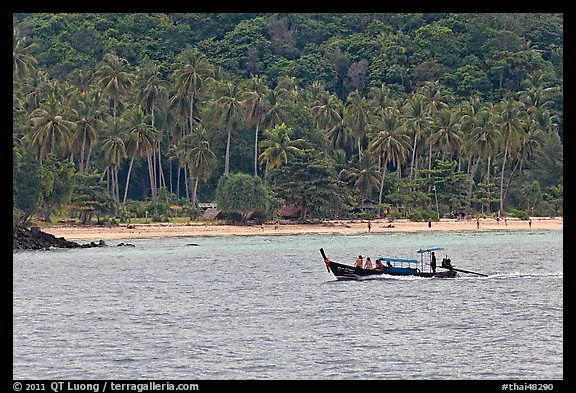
[[264, 307]]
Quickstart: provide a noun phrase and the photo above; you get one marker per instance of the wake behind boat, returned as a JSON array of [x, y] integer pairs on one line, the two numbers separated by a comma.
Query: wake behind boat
[[395, 267]]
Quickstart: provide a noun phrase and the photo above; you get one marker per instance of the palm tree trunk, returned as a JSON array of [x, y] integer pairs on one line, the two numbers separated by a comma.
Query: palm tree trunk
[[191, 113], [178, 180], [128, 180], [152, 182], [502, 179], [510, 178], [194, 193], [227, 158], [117, 194], [256, 150], [382, 182], [82, 158], [413, 158], [161, 179], [488, 182], [170, 172], [89, 153], [186, 183]]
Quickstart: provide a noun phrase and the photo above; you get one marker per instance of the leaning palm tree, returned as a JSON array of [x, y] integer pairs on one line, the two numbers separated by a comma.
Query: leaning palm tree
[[278, 147], [114, 79], [192, 70]]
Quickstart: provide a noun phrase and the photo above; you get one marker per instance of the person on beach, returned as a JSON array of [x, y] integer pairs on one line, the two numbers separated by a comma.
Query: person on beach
[[429, 223], [478, 223], [369, 225], [359, 262], [433, 263], [368, 264], [530, 223]]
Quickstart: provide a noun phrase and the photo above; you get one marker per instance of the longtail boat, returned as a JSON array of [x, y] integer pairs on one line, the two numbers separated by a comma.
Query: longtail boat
[[395, 267]]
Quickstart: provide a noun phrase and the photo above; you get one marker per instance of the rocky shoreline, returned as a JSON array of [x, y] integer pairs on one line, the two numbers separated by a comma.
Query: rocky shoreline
[[35, 239]]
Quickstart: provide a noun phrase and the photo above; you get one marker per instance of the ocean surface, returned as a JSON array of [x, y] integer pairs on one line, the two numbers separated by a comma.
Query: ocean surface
[[265, 307]]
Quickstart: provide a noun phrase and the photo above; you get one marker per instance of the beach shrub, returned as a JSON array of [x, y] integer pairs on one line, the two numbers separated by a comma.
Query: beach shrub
[[241, 193], [521, 214]]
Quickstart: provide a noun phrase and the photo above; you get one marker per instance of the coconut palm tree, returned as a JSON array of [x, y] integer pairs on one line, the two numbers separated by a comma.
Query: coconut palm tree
[[228, 112], [114, 79], [198, 157], [391, 143], [509, 122], [417, 121], [51, 129], [364, 177], [152, 94], [379, 98], [357, 117], [278, 147], [141, 140], [446, 132], [192, 70], [255, 106], [114, 151], [87, 115], [326, 111], [22, 62]]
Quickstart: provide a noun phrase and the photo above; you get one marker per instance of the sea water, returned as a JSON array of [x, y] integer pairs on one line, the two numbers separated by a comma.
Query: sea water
[[265, 307]]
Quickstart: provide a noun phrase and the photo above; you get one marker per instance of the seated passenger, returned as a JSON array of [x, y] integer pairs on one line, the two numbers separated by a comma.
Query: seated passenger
[[379, 265], [359, 262], [368, 263]]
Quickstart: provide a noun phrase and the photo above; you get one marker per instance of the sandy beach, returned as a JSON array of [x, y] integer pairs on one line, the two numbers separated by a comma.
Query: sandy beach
[[135, 231]]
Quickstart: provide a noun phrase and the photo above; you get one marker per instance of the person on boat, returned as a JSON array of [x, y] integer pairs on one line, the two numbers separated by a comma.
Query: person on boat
[[359, 262], [368, 263], [433, 263], [447, 263], [379, 265]]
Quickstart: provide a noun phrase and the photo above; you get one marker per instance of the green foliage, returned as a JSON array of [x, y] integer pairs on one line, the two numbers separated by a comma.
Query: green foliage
[[241, 193], [58, 179], [90, 197], [28, 185], [521, 214], [461, 65], [310, 182]]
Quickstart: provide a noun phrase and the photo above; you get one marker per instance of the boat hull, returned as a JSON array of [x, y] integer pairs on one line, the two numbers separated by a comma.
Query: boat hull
[[346, 272]]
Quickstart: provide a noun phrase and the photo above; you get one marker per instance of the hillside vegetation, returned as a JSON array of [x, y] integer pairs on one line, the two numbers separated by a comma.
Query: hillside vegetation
[[118, 116]]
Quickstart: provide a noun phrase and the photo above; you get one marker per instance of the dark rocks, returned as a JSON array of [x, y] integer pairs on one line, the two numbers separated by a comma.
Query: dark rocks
[[124, 244], [35, 239]]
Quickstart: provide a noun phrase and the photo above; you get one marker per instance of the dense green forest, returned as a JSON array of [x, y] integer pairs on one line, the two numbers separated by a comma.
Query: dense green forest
[[420, 115]]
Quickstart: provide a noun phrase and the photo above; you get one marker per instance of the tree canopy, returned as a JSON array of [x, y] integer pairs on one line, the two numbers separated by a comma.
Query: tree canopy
[[334, 107]]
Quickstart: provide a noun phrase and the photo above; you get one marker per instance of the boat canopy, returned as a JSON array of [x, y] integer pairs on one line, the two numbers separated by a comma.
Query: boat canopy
[[429, 250], [399, 260]]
